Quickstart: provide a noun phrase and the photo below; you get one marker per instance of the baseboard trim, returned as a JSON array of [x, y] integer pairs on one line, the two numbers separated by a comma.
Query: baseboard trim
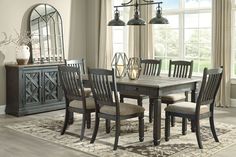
[[2, 109], [233, 102]]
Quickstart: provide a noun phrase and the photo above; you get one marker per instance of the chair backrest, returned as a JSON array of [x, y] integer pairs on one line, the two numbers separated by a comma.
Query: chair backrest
[[151, 67], [79, 63], [181, 69], [209, 87], [71, 81], [103, 85]]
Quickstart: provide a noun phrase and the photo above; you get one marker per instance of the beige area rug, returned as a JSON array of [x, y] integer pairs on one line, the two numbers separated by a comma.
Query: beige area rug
[[129, 145]]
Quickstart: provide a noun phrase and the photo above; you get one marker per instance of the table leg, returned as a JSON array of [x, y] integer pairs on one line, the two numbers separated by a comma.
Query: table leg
[[157, 122]]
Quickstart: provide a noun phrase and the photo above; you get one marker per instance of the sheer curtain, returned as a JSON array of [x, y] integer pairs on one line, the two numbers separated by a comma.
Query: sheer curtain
[[140, 43], [105, 49], [221, 47]]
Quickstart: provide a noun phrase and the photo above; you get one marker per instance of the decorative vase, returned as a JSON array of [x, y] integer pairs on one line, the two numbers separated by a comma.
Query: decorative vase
[[22, 54], [119, 63], [134, 68]]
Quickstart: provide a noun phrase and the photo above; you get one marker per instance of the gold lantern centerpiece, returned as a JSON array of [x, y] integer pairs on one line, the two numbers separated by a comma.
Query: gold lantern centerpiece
[[119, 63], [134, 68]]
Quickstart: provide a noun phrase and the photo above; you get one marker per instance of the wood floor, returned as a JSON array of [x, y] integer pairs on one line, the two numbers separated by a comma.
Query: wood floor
[[15, 144]]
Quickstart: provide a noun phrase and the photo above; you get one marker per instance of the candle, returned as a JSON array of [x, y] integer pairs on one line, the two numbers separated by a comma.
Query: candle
[[133, 74], [119, 71]]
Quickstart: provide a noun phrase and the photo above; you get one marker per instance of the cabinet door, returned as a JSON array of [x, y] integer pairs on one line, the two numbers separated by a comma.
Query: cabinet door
[[32, 87], [52, 90]]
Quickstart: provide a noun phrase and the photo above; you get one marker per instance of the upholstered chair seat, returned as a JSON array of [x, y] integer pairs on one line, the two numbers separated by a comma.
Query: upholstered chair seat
[[87, 92], [125, 109], [186, 108], [171, 98], [79, 104]]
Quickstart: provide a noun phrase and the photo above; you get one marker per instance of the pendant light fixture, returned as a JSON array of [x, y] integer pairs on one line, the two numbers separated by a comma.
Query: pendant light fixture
[[137, 20], [159, 19], [116, 21]]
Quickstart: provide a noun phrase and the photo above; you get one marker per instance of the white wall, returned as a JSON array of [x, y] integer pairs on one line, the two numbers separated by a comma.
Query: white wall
[[11, 16]]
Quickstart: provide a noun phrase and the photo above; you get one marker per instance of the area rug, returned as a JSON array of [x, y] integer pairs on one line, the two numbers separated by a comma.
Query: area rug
[[129, 146]]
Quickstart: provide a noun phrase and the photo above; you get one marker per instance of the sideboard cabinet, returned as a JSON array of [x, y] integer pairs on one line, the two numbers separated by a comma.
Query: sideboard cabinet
[[33, 89]]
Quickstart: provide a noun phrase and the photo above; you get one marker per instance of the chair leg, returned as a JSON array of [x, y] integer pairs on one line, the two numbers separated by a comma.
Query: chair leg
[[108, 126], [121, 99], [83, 127], [172, 121], [88, 119], [95, 131], [184, 126], [167, 127], [141, 128], [213, 128], [150, 110], [71, 118], [117, 134], [198, 134], [193, 127], [65, 122], [140, 101]]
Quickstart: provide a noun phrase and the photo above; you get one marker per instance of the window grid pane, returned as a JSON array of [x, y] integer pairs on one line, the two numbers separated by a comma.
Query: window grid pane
[[193, 35]]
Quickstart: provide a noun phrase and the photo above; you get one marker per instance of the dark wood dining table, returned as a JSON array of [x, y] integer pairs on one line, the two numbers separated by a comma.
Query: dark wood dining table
[[156, 87]]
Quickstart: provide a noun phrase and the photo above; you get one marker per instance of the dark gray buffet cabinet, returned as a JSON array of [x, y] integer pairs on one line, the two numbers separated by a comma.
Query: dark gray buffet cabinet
[[33, 89]]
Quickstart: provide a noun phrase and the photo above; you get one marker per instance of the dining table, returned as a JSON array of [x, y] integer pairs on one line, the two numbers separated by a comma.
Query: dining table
[[156, 87]]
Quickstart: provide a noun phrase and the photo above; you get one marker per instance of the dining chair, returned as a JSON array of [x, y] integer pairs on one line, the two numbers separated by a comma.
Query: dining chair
[[81, 64], [179, 69], [149, 67], [203, 108], [104, 88], [76, 99]]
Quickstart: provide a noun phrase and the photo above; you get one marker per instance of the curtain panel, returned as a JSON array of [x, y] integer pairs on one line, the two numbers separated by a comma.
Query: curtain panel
[[221, 47], [105, 49]]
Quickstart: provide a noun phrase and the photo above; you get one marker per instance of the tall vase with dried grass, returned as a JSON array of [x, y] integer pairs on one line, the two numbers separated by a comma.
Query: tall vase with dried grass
[[22, 49]]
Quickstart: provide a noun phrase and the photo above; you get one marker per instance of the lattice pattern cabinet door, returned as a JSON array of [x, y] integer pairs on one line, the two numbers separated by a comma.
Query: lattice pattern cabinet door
[[52, 91], [32, 87]]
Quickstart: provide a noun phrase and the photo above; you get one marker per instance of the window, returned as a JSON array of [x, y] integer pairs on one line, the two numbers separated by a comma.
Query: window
[[120, 34], [188, 36]]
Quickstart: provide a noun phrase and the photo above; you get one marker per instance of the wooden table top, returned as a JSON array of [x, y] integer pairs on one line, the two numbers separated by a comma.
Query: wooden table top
[[157, 81]]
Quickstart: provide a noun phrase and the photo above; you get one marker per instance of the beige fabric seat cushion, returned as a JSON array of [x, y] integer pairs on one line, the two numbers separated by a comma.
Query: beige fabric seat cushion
[[90, 104], [173, 97], [125, 109], [186, 108], [88, 92]]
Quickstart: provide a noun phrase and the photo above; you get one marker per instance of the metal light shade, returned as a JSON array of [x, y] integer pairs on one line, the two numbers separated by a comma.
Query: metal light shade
[[159, 19], [136, 20], [116, 21]]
